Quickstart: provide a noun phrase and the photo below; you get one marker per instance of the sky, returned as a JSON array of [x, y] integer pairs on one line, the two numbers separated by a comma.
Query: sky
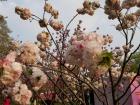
[[27, 31]]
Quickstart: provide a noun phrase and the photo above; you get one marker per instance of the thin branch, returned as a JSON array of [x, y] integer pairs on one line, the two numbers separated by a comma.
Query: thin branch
[[112, 87], [105, 94]]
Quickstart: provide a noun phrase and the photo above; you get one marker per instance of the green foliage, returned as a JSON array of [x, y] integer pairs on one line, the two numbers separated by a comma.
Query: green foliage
[[106, 58], [29, 71], [5, 39], [136, 62]]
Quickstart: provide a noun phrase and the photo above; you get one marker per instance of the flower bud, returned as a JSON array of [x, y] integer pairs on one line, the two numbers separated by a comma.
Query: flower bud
[[81, 11], [48, 8], [18, 10], [43, 37], [23, 12], [56, 25], [55, 13], [87, 4]]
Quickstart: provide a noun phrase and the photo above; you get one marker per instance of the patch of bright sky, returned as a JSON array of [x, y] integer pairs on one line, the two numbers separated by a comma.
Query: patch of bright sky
[[27, 31]]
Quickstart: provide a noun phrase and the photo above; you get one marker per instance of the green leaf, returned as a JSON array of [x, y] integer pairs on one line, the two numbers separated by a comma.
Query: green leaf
[[106, 58], [135, 65], [29, 71]]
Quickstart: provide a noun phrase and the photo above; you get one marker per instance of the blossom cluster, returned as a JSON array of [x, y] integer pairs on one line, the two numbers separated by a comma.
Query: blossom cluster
[[43, 38], [23, 12], [112, 8], [21, 93], [49, 8], [86, 49], [129, 20], [115, 72], [88, 7], [127, 4], [56, 25], [115, 10], [38, 78], [11, 70], [29, 53], [14, 67]]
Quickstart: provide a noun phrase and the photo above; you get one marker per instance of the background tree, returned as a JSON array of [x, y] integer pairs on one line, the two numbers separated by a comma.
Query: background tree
[[5, 39], [135, 62]]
